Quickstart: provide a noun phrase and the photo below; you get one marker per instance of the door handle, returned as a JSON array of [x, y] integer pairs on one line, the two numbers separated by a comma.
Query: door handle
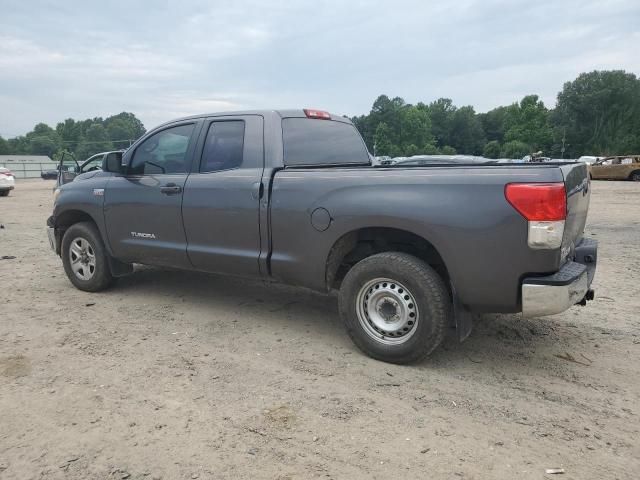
[[170, 189]]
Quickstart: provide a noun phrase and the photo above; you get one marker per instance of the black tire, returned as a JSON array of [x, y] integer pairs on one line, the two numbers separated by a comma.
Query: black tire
[[99, 277], [635, 176], [422, 284], [4, 193]]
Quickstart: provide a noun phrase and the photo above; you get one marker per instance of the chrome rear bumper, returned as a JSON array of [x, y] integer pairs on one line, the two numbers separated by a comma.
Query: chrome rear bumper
[[539, 299], [571, 284]]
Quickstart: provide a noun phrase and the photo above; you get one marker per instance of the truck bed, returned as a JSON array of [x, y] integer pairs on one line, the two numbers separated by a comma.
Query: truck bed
[[460, 209]]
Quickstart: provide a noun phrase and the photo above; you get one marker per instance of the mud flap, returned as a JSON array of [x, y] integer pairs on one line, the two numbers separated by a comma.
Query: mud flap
[[462, 316], [118, 268]]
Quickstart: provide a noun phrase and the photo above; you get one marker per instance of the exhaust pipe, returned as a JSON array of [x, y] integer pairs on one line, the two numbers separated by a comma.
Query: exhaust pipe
[[588, 296]]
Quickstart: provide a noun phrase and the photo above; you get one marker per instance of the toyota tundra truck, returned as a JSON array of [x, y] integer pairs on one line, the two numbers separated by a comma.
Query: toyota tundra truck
[[291, 196]]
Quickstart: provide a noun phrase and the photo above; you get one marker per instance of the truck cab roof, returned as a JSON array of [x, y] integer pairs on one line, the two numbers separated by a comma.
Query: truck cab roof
[[282, 113]]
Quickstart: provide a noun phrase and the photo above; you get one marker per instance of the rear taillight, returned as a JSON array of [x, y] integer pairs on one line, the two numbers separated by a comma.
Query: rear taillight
[[538, 201], [319, 114], [544, 206]]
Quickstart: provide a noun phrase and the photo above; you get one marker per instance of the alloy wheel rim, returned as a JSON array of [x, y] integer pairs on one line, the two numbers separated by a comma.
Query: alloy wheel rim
[[82, 258]]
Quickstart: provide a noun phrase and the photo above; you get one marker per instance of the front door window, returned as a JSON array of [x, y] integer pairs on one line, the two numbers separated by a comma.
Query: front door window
[[163, 153]]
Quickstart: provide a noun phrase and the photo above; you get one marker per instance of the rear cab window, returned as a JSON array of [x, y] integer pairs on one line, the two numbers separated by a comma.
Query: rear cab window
[[310, 142]]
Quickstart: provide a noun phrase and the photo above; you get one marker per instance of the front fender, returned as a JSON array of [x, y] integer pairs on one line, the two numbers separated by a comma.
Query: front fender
[[81, 201]]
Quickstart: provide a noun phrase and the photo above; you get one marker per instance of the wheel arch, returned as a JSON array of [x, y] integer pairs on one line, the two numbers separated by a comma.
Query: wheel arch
[[633, 172], [363, 242], [69, 217], [66, 218]]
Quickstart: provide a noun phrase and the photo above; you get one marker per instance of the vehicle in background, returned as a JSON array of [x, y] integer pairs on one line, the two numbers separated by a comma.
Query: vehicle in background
[[418, 160], [588, 159], [292, 196], [69, 168], [7, 182], [623, 167], [382, 160], [536, 158], [49, 175]]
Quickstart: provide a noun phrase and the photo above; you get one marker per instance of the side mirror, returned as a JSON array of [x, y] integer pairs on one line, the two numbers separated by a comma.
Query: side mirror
[[113, 163]]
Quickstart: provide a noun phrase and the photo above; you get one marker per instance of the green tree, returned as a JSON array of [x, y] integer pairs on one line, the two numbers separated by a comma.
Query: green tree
[[466, 132], [411, 150], [70, 133], [18, 145], [492, 149], [515, 149], [441, 113], [396, 151], [382, 140], [43, 145], [95, 140], [42, 140], [493, 123], [599, 112], [430, 149], [528, 122], [123, 128], [448, 150], [84, 137], [414, 130], [68, 155], [4, 147]]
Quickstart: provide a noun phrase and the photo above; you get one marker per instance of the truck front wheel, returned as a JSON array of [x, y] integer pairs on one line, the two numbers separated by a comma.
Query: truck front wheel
[[395, 307], [85, 258]]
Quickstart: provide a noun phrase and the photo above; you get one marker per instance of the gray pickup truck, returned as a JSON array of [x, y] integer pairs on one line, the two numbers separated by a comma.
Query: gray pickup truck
[[291, 196]]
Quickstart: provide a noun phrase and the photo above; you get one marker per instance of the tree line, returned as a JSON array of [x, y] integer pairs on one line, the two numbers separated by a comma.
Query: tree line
[[82, 138], [598, 113]]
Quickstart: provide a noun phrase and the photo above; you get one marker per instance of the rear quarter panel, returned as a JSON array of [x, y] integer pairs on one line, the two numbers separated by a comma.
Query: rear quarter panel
[[461, 211]]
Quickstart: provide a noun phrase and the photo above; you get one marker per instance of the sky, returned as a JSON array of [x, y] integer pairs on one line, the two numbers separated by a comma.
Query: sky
[[166, 59]]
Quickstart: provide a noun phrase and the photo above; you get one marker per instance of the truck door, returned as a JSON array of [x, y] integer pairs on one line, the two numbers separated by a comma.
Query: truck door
[[222, 196], [143, 207], [67, 169]]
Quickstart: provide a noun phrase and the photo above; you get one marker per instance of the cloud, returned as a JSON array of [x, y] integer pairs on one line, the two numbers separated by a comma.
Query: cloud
[[163, 60]]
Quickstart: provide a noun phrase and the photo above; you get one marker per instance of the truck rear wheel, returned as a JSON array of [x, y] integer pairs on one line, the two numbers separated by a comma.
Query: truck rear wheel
[[85, 258], [395, 307]]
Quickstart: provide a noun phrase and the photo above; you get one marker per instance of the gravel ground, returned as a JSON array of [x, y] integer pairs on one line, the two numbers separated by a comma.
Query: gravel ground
[[178, 375]]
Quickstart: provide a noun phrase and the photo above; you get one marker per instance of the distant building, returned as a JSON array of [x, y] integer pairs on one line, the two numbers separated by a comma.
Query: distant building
[[27, 166]]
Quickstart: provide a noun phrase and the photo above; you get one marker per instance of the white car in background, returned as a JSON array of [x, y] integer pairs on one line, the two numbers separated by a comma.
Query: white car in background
[[7, 181]]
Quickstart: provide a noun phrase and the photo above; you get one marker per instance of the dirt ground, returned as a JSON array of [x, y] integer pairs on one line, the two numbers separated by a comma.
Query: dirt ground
[[180, 376]]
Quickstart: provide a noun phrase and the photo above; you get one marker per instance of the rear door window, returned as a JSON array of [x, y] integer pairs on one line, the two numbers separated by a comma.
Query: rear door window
[[309, 141], [223, 147]]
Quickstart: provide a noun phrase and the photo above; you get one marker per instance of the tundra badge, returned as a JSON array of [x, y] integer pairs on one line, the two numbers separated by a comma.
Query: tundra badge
[[143, 235]]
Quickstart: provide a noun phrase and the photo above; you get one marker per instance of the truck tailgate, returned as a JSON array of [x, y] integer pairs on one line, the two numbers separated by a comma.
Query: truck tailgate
[[577, 184]]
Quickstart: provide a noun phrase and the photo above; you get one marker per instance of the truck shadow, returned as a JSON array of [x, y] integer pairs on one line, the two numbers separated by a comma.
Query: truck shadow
[[497, 341], [508, 342]]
